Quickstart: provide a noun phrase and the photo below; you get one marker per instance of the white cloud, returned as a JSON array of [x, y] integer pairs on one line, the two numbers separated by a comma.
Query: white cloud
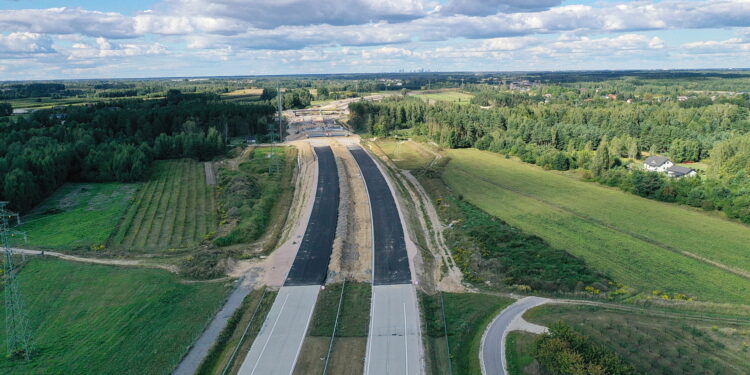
[[103, 48], [67, 21], [490, 7], [23, 44]]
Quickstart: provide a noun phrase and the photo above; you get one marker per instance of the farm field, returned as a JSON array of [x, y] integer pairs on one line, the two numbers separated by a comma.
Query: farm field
[[76, 216], [405, 154], [644, 244], [174, 209], [446, 96], [114, 320], [654, 344], [466, 317]]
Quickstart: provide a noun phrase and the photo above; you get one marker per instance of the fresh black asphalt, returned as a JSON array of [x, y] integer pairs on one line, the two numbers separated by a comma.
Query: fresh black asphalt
[[310, 266], [391, 263]]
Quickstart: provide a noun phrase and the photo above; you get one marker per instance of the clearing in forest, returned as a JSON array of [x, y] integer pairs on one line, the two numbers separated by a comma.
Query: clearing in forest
[[174, 209], [642, 243]]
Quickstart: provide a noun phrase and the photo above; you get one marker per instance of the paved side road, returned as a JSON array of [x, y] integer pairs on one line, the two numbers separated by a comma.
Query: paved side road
[[492, 351]]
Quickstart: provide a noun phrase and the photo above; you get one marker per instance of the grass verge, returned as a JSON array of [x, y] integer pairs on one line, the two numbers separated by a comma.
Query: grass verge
[[240, 332], [518, 349], [114, 320], [466, 317]]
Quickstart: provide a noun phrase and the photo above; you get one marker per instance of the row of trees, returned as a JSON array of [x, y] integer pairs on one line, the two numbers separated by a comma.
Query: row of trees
[[115, 141], [596, 137]]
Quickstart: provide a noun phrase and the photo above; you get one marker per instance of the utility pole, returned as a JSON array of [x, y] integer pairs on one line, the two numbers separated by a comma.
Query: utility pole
[[18, 333]]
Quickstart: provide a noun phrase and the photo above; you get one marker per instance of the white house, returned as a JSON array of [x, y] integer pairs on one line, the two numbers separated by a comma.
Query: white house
[[657, 164], [662, 164]]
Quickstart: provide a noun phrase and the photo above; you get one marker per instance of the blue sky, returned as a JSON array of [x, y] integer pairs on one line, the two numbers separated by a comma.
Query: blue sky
[[48, 39]]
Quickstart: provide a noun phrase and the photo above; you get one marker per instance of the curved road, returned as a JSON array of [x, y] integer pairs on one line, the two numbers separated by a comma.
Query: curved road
[[492, 352]]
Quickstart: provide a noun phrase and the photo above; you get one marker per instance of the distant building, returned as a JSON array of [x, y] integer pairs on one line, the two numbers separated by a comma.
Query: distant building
[[677, 171], [662, 164], [657, 164]]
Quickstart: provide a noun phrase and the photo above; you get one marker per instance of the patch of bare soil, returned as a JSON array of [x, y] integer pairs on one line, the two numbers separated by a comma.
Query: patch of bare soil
[[353, 257]]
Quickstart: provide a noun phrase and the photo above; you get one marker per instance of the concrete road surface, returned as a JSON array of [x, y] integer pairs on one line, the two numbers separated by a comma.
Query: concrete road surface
[[275, 349], [492, 352], [394, 345]]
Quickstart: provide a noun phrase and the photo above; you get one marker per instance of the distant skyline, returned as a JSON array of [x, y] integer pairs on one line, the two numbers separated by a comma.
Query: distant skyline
[[48, 39]]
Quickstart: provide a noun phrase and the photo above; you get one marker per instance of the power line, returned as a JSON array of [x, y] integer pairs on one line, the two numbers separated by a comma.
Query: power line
[[18, 335]]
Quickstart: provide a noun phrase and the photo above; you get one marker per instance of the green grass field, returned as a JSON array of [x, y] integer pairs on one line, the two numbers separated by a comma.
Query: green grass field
[[109, 320], [466, 317], [639, 242], [354, 320], [656, 344], [518, 352], [405, 154], [174, 209], [76, 215], [447, 96]]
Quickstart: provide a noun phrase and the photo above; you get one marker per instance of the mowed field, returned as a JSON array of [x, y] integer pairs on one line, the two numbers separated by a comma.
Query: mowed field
[[109, 320], [174, 209], [405, 154], [642, 243], [76, 215], [446, 96]]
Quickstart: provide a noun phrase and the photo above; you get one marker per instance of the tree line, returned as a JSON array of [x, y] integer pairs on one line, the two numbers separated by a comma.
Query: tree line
[[603, 137], [115, 141]]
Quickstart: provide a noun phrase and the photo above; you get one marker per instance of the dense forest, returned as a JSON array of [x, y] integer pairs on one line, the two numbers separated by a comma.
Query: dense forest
[[563, 128], [116, 141]]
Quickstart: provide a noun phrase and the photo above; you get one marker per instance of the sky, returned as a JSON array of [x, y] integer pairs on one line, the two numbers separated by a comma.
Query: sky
[[57, 39]]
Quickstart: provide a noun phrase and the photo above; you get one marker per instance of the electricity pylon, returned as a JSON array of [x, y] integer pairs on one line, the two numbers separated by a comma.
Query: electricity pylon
[[18, 333], [274, 163]]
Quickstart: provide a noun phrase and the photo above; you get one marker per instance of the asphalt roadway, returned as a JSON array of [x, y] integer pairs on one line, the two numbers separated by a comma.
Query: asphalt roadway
[[277, 346], [492, 354], [394, 344], [390, 260], [310, 266]]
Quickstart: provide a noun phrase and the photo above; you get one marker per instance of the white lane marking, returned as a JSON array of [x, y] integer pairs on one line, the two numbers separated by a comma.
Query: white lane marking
[[309, 318], [370, 334], [270, 335], [406, 342]]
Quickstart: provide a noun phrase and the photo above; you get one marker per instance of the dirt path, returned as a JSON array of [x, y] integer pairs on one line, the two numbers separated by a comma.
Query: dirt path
[[208, 167], [447, 276], [111, 262]]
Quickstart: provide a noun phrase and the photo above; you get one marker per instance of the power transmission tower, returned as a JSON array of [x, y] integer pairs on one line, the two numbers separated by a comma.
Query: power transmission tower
[[273, 160], [18, 333]]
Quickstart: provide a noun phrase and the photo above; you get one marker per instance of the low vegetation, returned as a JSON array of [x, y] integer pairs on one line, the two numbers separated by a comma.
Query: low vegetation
[[518, 353], [253, 196], [111, 319], [77, 216], [239, 334], [354, 320], [446, 96], [653, 343], [643, 244], [466, 316], [174, 209], [563, 351]]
